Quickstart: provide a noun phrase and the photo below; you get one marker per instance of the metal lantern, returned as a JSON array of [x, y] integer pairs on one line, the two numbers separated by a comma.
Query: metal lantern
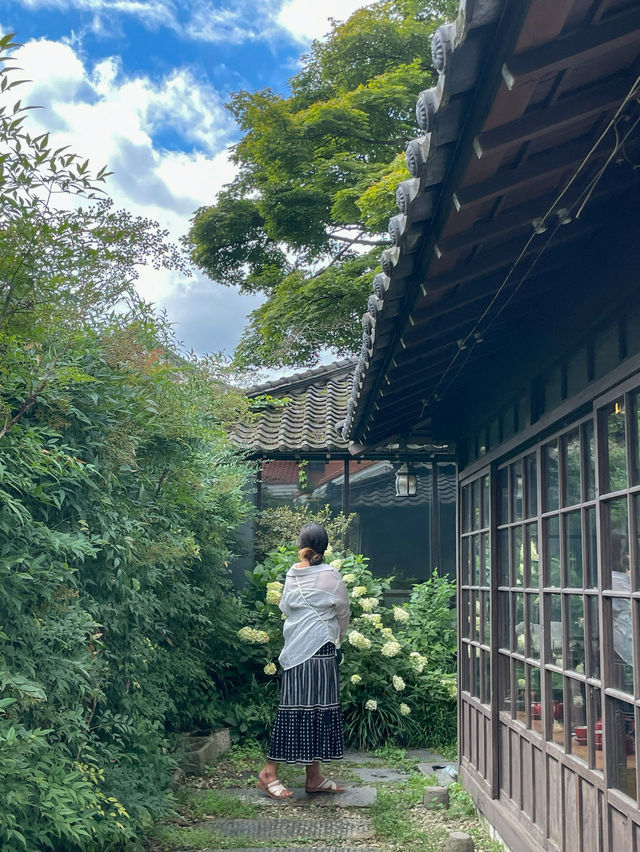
[[406, 482]]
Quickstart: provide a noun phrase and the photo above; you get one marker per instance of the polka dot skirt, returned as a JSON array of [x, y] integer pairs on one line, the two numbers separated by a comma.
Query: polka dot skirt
[[308, 726]]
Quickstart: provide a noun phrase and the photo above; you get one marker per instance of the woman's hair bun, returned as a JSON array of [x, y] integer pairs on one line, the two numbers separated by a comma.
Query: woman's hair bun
[[310, 555]]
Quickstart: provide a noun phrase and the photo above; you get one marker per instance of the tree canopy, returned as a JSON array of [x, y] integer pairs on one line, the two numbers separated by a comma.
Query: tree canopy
[[305, 218]]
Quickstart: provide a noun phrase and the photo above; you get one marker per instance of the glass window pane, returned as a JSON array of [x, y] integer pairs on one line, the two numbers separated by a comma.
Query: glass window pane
[[485, 602], [476, 618], [504, 683], [571, 452], [521, 692], [533, 624], [591, 580], [466, 508], [590, 460], [621, 744], [475, 561], [551, 527], [622, 668], [503, 492], [554, 604], [465, 558], [594, 734], [575, 651], [475, 505], [519, 622], [533, 568], [503, 547], [635, 437], [636, 513], [616, 545], [518, 557], [577, 718], [557, 709], [485, 501], [593, 634], [504, 620], [615, 472], [550, 462], [465, 673], [531, 474], [573, 549], [516, 491], [535, 699], [465, 597], [486, 559]]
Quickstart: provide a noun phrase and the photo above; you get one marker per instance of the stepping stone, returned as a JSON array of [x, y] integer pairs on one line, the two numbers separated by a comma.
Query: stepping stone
[[291, 829], [360, 757], [381, 774], [446, 773], [425, 755], [353, 797], [306, 849]]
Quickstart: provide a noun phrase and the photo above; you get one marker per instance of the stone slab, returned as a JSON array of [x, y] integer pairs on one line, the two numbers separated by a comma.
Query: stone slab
[[381, 774], [202, 750], [291, 829], [445, 773], [306, 849], [425, 755], [353, 797], [360, 757]]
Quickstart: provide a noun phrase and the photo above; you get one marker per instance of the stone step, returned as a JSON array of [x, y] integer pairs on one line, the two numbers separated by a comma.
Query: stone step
[[291, 829], [446, 773], [306, 849], [380, 774], [353, 797]]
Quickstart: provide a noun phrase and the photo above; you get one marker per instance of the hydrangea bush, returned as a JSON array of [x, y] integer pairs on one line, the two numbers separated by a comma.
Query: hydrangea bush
[[398, 680]]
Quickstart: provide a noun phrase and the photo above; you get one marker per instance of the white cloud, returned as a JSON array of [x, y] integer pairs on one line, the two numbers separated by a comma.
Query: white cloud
[[120, 122], [306, 21]]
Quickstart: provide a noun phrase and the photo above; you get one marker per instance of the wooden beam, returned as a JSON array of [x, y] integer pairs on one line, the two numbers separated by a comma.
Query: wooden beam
[[584, 46], [553, 118], [542, 165]]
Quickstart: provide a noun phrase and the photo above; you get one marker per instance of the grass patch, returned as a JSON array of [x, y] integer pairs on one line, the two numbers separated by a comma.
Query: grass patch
[[210, 803]]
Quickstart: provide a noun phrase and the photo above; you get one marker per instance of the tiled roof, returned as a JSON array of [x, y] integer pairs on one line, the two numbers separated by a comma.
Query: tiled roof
[[513, 142], [310, 421]]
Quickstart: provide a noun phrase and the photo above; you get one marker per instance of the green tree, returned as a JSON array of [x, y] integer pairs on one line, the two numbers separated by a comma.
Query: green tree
[[304, 220]]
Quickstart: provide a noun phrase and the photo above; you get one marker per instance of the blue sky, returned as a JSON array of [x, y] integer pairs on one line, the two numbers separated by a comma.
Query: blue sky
[[140, 85]]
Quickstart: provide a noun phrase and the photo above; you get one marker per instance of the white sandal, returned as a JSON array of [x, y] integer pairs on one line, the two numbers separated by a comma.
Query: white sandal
[[274, 789], [326, 786]]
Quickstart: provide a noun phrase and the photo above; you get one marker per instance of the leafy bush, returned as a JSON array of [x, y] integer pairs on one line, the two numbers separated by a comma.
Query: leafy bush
[[119, 496], [398, 681], [283, 523]]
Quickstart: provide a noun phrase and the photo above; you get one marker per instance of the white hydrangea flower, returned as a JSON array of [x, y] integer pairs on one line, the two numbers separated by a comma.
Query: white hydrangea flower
[[368, 604], [391, 649], [405, 710], [372, 617], [358, 591], [274, 596], [270, 669], [398, 683], [358, 640], [355, 679], [418, 662], [387, 632], [349, 578], [337, 564], [329, 551], [400, 614], [255, 637], [371, 704]]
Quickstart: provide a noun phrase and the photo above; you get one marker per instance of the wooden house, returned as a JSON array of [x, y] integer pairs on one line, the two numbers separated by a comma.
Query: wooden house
[[506, 323]]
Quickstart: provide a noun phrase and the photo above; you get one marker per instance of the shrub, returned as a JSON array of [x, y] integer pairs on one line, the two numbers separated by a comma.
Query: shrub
[[398, 682]]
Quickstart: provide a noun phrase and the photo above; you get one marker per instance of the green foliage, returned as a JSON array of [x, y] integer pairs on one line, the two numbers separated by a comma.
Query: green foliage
[[119, 494], [305, 217], [282, 524], [398, 680]]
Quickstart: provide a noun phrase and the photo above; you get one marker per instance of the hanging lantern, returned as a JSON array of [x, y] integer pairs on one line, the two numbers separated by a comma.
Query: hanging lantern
[[406, 482]]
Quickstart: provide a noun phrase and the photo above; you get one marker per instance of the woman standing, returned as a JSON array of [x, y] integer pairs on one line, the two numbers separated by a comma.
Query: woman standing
[[308, 727]]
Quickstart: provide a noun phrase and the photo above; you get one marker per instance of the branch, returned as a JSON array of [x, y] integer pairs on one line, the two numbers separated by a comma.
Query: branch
[[357, 241], [340, 254]]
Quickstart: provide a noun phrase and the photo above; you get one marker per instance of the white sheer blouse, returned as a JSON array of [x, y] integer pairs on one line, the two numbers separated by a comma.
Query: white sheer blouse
[[315, 602]]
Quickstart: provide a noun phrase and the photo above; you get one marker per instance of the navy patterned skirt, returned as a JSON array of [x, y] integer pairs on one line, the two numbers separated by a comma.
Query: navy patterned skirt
[[308, 726]]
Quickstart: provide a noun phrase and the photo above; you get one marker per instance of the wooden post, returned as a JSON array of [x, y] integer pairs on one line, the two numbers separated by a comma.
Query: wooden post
[[345, 501]]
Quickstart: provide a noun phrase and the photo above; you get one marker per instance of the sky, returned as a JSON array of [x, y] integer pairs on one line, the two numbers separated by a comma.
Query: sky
[[140, 86]]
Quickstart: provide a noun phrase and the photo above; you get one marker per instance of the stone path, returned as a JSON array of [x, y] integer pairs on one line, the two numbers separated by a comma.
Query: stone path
[[307, 818]]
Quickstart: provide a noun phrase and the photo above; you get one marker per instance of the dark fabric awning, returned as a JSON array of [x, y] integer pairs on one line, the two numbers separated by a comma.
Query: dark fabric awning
[[528, 160]]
